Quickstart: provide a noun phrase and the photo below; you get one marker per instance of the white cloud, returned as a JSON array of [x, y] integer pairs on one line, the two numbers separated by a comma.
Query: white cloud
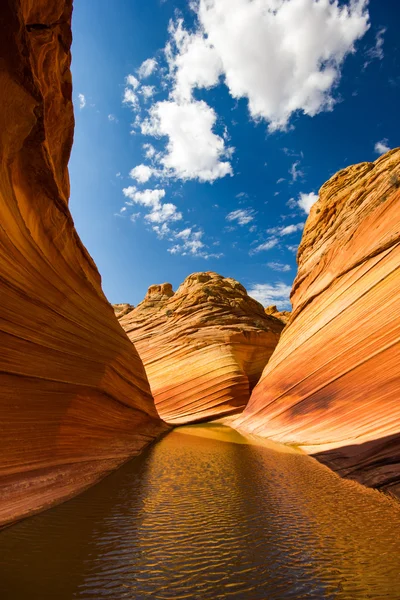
[[382, 147], [151, 199], [82, 101], [194, 63], [268, 245], [282, 56], [292, 249], [147, 68], [148, 91], [132, 82], [295, 172], [376, 53], [149, 150], [112, 118], [141, 173], [281, 180], [306, 201], [277, 266], [243, 217], [130, 97], [278, 293], [286, 230], [193, 150], [163, 213]]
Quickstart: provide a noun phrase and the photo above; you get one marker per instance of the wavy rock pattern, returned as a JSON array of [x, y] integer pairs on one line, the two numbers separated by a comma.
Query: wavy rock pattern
[[74, 397], [334, 379], [203, 347]]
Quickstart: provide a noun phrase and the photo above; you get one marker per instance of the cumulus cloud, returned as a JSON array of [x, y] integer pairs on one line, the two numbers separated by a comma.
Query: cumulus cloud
[[306, 201], [282, 56], [82, 101], [148, 91], [147, 68], [149, 150], [382, 147], [130, 97], [278, 293], [193, 150], [286, 230], [151, 199], [243, 217], [278, 266], [141, 173]]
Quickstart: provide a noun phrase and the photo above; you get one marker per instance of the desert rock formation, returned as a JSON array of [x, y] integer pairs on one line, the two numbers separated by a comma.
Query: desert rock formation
[[122, 309], [203, 347], [282, 315], [74, 397], [333, 383]]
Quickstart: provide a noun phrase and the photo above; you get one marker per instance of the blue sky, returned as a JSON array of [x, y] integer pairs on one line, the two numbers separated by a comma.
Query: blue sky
[[205, 129]]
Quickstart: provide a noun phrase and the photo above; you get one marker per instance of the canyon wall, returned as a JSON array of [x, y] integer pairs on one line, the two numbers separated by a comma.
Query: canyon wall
[[74, 397], [333, 383], [203, 347]]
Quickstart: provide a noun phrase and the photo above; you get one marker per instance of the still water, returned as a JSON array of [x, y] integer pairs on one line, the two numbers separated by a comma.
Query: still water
[[206, 514]]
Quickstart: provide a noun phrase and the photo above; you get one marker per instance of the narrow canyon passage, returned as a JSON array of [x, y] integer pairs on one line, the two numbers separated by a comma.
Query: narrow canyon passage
[[206, 513]]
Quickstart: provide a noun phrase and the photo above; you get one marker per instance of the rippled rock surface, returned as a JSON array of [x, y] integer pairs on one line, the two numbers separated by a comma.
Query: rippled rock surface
[[207, 514], [333, 383], [74, 397], [204, 347]]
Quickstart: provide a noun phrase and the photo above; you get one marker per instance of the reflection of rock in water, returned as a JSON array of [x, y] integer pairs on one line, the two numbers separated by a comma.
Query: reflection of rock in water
[[204, 514]]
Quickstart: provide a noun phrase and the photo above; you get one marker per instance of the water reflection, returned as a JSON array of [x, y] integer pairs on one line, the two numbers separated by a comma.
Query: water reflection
[[208, 514]]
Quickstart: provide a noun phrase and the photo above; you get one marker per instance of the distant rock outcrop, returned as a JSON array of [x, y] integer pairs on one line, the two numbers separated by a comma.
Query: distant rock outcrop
[[333, 383], [282, 315], [74, 397], [203, 347], [122, 309]]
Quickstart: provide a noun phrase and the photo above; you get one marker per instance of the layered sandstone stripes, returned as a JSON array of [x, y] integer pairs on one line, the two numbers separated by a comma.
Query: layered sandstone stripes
[[333, 383], [203, 347], [74, 397]]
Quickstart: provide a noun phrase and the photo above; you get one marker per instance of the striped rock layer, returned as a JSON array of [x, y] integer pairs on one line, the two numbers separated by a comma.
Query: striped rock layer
[[74, 397], [203, 347], [333, 383]]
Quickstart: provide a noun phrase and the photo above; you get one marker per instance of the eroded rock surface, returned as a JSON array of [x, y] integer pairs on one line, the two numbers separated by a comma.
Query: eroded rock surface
[[121, 310], [282, 315], [333, 383], [203, 347], [74, 397]]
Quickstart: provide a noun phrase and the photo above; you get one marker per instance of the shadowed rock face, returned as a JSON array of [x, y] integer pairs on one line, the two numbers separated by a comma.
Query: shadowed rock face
[[334, 379], [74, 397], [203, 347]]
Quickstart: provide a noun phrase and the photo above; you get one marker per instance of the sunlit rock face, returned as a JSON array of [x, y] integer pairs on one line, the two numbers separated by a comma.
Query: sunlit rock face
[[203, 348], [74, 397], [334, 379], [122, 309], [282, 315]]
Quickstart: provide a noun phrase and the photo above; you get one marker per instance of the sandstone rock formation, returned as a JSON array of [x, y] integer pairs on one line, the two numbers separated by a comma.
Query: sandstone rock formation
[[282, 315], [121, 310], [74, 398], [333, 383], [203, 347]]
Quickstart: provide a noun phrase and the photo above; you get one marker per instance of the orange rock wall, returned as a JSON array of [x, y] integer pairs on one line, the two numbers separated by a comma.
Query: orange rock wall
[[334, 379], [203, 347], [74, 397]]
